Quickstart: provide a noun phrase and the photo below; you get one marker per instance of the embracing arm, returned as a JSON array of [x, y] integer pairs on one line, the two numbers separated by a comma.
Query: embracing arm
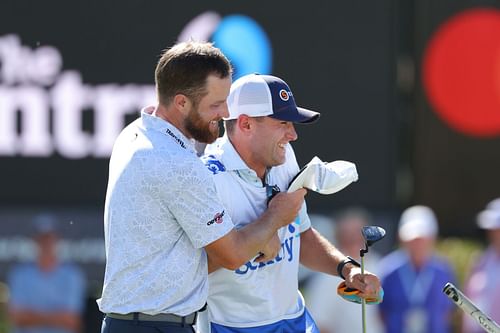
[[238, 246]]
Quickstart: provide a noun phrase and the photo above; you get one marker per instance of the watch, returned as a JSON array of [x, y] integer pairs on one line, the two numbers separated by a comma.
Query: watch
[[347, 260]]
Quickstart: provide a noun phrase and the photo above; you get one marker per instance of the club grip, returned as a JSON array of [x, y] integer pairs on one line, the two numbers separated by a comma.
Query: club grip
[[468, 307]]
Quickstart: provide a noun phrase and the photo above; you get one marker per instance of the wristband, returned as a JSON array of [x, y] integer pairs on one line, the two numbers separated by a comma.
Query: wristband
[[347, 260]]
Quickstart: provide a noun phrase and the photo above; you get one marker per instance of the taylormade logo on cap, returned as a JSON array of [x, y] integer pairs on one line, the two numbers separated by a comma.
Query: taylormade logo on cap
[[266, 95]]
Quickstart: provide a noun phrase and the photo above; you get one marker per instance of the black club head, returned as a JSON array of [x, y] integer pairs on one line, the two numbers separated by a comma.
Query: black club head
[[372, 234]]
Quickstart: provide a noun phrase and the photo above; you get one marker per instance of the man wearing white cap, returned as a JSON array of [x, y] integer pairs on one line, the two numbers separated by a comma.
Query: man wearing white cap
[[482, 286], [251, 162], [414, 276]]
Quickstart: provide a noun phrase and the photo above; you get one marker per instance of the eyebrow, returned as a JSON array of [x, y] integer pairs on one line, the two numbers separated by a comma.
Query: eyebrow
[[220, 101]]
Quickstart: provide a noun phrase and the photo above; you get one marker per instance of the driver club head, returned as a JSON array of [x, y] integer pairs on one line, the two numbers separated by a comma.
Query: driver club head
[[372, 234]]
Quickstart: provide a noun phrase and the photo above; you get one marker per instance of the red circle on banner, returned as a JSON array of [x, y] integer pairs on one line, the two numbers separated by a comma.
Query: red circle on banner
[[461, 72]]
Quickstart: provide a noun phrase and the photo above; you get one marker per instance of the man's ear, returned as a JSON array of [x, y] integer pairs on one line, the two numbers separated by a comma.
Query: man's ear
[[182, 103], [244, 123]]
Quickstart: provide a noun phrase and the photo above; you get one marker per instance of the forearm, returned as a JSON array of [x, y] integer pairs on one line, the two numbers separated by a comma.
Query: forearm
[[253, 237], [212, 265], [318, 254], [238, 246], [28, 318], [268, 252], [243, 244]]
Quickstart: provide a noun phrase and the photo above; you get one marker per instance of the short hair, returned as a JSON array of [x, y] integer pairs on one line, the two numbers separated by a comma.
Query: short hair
[[229, 126], [184, 68]]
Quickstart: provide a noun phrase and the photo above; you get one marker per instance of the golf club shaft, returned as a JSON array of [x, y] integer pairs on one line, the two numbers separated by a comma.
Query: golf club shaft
[[363, 301], [468, 307]]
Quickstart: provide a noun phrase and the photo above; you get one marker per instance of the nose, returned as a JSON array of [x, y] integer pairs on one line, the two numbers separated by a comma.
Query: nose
[[224, 111], [291, 133]]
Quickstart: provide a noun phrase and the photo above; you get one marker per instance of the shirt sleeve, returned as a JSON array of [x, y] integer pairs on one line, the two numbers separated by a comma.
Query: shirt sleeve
[[194, 202]]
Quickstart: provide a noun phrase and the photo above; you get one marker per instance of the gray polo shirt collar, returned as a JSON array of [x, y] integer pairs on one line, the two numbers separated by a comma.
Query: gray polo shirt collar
[[232, 161], [164, 127]]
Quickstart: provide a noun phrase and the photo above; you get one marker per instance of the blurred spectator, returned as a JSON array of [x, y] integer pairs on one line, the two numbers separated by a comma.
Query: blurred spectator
[[332, 313], [46, 296], [483, 284], [413, 278]]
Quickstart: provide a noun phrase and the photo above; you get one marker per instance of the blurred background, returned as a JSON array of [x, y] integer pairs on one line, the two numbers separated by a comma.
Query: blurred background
[[409, 90]]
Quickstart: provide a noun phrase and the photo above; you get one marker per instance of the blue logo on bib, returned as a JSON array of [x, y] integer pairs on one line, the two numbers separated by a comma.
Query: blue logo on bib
[[214, 165], [292, 228]]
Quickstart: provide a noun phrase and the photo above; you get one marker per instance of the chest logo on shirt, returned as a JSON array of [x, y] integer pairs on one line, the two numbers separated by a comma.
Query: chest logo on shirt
[[218, 218], [214, 165]]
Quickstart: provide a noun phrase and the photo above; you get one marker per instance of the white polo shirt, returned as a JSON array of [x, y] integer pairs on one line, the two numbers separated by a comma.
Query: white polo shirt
[[254, 294], [161, 210]]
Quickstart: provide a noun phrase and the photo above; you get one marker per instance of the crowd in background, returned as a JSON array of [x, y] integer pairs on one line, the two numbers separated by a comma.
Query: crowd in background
[[413, 276], [49, 295]]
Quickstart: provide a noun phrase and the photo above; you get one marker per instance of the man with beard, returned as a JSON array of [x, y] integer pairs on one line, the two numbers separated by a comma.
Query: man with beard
[[162, 214]]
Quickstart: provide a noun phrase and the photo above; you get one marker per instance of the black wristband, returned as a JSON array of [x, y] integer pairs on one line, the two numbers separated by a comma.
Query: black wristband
[[344, 262]]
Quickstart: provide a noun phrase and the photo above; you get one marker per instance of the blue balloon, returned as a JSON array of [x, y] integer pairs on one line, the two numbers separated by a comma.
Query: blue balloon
[[246, 45]]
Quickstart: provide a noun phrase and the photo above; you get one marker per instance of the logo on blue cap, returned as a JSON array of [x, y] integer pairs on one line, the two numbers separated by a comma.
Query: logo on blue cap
[[284, 95]]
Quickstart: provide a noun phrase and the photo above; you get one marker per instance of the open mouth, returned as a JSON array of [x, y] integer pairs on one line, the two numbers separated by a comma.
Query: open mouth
[[214, 124]]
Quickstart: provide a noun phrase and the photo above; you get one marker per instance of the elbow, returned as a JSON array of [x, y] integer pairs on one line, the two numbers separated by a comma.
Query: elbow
[[229, 252], [233, 261]]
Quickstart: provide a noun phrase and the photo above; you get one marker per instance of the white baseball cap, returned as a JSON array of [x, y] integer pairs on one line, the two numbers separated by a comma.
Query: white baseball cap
[[490, 217], [417, 222], [494, 204], [264, 95]]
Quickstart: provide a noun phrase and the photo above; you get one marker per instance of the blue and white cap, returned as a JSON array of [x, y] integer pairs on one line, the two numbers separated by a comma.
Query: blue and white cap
[[265, 95]]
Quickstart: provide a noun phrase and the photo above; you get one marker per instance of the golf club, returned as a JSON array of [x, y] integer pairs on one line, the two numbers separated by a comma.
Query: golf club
[[371, 235], [470, 308]]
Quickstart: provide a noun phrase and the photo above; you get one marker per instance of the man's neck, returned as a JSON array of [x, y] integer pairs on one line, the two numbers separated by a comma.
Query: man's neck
[[47, 262], [246, 155], [172, 116]]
